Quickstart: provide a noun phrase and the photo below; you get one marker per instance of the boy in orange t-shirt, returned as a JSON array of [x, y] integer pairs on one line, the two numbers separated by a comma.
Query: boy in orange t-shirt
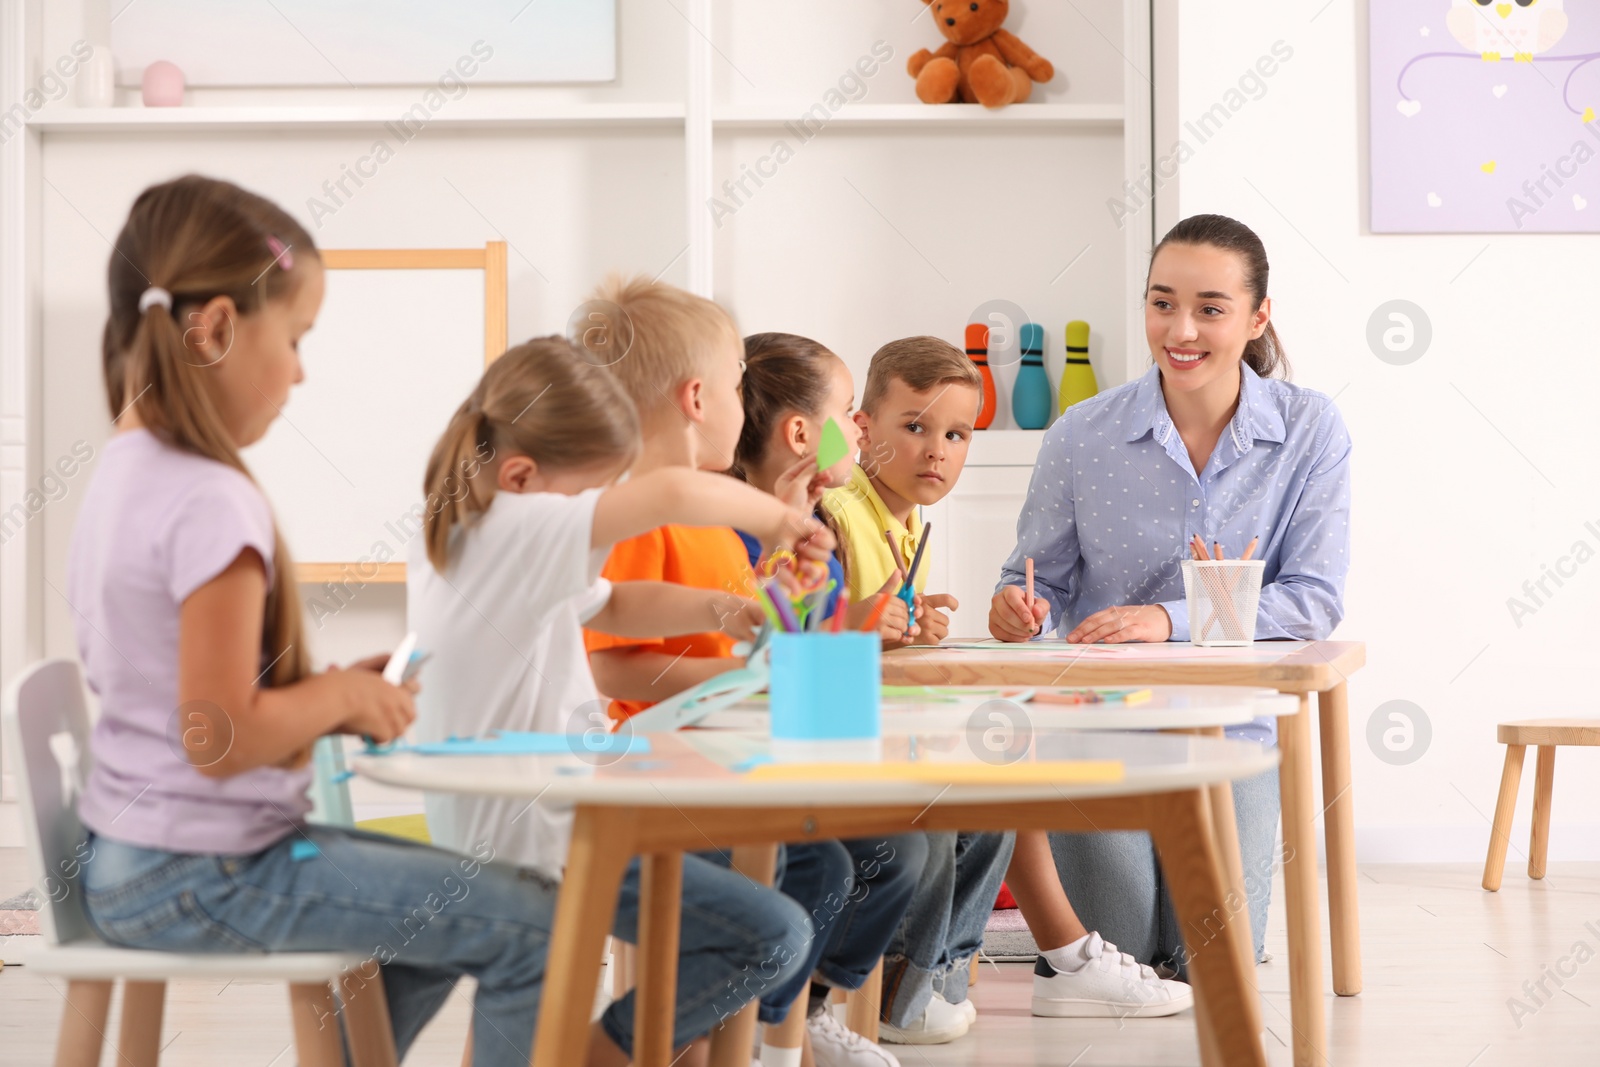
[[649, 669], [682, 364]]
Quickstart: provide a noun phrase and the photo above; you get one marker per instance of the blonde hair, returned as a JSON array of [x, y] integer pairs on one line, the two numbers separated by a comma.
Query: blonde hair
[[920, 362], [541, 399], [667, 336], [199, 238]]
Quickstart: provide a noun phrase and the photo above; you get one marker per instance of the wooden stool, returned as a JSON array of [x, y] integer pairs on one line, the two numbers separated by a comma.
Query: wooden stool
[[1547, 734]]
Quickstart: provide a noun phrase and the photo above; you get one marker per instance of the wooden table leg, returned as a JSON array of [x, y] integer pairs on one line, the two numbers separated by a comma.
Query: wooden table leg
[[660, 898], [1339, 830], [1225, 998], [1505, 809], [142, 1006], [1225, 824], [861, 1005], [1301, 906], [602, 844], [731, 1043]]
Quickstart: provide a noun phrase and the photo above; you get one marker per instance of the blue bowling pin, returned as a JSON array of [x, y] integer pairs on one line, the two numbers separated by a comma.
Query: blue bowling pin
[[1030, 396]]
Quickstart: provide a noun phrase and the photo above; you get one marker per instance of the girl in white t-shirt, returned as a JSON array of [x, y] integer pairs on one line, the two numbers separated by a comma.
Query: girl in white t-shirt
[[522, 509]]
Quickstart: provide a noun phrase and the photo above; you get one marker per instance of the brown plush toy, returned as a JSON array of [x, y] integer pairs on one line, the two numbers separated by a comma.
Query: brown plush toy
[[979, 62]]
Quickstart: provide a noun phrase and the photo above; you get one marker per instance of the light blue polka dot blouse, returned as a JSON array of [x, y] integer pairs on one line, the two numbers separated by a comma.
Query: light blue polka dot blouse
[[1114, 502]]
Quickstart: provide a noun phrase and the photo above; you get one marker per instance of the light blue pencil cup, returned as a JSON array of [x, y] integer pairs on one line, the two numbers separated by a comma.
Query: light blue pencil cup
[[825, 693]]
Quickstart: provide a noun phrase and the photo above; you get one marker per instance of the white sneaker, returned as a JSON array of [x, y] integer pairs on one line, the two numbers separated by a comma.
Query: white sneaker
[[939, 1024], [833, 1044], [969, 1009], [1108, 984]]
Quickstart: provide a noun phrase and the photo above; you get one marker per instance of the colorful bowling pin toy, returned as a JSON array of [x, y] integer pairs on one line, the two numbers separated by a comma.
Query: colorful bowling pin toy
[[978, 350], [1030, 396], [1077, 375]]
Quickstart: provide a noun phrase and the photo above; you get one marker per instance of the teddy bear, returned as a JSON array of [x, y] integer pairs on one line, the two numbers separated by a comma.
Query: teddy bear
[[979, 62]]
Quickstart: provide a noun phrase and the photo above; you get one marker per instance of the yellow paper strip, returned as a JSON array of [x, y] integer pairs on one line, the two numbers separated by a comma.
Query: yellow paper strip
[[1026, 773]]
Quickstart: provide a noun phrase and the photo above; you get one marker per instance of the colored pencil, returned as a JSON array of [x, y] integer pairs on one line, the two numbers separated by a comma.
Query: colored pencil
[[766, 606], [780, 604], [894, 553], [1250, 549], [838, 612], [1028, 592], [916, 562], [871, 622]]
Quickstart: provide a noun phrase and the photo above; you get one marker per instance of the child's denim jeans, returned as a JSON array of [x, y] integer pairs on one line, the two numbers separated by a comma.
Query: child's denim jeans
[[426, 917]]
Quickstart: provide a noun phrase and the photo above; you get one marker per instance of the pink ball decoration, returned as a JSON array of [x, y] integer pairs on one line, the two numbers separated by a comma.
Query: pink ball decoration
[[163, 85]]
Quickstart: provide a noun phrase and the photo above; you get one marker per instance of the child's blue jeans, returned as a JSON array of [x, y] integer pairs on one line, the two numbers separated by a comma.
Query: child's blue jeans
[[426, 917]]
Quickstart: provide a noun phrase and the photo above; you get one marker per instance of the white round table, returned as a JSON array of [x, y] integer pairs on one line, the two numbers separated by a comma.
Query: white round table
[[691, 791]]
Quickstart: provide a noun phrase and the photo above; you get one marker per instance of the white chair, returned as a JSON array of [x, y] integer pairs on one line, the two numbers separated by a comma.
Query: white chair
[[47, 728]]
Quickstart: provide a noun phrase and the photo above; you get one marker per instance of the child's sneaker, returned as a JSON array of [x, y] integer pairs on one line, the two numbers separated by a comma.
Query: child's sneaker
[[833, 1044], [1106, 983], [939, 1024]]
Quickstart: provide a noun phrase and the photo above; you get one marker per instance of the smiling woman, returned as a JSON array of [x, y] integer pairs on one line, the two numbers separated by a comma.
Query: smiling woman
[[1210, 444]]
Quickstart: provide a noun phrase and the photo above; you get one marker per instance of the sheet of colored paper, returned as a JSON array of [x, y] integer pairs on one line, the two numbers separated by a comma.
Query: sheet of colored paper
[[520, 743], [833, 447]]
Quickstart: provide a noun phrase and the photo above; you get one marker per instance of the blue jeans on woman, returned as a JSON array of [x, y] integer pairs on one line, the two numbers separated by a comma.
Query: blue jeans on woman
[[1116, 885], [425, 917], [944, 924]]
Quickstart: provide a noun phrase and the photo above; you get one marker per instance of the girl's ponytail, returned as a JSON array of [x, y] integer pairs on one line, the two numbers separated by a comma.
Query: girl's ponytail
[[455, 493], [195, 239], [541, 399]]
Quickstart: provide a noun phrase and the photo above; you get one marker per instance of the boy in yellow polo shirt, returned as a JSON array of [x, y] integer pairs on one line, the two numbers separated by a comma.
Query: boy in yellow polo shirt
[[916, 417], [917, 414]]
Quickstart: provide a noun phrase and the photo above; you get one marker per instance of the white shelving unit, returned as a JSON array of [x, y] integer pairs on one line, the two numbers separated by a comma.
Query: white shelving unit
[[897, 218]]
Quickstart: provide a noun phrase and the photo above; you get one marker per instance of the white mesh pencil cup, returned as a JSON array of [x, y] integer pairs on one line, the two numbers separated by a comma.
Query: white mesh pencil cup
[[1223, 595]]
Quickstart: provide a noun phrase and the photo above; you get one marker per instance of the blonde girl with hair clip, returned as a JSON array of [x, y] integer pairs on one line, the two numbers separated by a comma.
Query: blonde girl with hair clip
[[524, 504], [189, 628]]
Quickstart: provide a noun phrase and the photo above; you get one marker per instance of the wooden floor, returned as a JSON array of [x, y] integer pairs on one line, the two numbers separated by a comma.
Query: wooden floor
[[1443, 958]]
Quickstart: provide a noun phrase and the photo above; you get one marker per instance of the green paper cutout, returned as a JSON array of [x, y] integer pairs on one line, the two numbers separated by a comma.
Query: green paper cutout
[[833, 447]]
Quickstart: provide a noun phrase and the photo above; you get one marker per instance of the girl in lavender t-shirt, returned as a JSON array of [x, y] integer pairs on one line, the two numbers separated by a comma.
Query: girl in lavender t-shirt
[[189, 628]]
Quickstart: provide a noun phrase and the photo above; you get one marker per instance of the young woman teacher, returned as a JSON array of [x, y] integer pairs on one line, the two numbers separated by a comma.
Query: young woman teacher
[[1208, 442]]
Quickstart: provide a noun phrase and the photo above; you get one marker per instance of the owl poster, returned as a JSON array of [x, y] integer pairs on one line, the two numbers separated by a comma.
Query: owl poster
[[1483, 116]]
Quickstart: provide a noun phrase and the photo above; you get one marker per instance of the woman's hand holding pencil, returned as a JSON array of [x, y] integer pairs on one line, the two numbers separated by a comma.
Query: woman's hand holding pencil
[[1013, 618]]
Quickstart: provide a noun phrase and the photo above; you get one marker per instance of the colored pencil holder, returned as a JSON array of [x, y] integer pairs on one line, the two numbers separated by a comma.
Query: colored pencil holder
[[825, 693], [1223, 595]]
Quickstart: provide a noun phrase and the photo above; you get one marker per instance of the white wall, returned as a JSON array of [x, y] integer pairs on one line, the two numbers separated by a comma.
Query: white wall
[[1472, 465]]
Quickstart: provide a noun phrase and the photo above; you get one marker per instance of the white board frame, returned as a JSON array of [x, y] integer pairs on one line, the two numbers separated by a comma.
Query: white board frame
[[491, 259]]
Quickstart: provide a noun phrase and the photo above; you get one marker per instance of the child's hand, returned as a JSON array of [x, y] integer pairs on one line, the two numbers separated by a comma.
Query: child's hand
[[371, 663], [1009, 618], [809, 539], [737, 616], [801, 485], [1121, 625], [375, 708], [895, 627], [934, 623]]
